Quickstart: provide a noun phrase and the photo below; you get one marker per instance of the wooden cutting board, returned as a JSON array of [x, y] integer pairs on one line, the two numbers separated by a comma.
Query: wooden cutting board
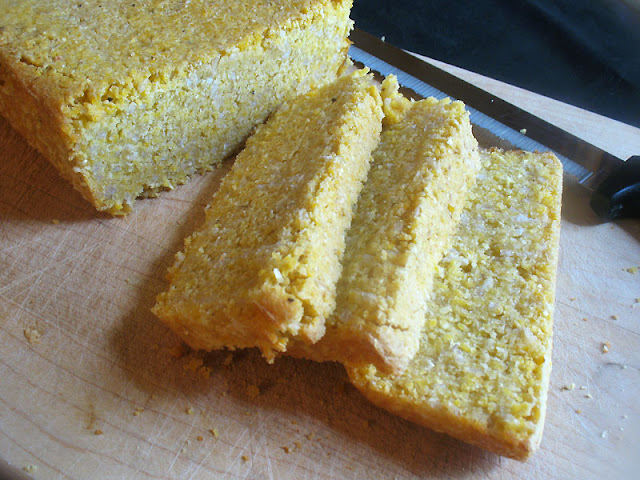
[[92, 386]]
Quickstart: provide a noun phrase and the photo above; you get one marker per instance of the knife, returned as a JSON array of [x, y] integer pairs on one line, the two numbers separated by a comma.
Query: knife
[[614, 183]]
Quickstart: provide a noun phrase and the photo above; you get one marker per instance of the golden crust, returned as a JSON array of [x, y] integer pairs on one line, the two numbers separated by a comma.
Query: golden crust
[[482, 371]]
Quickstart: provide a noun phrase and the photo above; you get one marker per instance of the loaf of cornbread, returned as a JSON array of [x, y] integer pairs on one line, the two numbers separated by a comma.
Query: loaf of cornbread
[[263, 268], [482, 369], [128, 98], [421, 171]]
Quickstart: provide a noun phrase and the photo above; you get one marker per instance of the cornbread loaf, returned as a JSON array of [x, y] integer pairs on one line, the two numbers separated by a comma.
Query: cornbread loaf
[[421, 171], [126, 98], [263, 268], [482, 370]]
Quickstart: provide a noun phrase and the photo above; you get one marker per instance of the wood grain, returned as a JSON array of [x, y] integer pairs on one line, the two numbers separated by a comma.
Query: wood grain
[[106, 392]]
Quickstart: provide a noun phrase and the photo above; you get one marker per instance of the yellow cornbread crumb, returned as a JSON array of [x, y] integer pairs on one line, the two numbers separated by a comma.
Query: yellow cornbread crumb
[[30, 468], [605, 347], [177, 351], [481, 373], [32, 335], [138, 96], [263, 268], [421, 171], [253, 391], [213, 431]]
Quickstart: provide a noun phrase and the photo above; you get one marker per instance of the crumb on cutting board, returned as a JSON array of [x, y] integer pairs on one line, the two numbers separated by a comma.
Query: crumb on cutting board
[[253, 391], [32, 335], [177, 351]]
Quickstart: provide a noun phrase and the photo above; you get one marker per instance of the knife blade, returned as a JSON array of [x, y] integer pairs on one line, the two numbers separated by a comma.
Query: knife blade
[[615, 183]]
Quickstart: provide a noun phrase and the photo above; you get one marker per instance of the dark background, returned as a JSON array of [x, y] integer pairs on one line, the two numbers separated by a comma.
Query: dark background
[[583, 52]]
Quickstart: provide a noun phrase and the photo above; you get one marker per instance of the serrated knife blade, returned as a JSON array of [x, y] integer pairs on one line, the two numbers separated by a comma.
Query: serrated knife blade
[[615, 183]]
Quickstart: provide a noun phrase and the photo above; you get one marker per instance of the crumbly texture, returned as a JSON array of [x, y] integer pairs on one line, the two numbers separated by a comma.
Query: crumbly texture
[[129, 98], [481, 373], [410, 205], [263, 268]]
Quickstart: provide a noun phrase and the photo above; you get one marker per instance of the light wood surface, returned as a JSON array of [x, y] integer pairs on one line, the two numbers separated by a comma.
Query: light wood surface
[[106, 393]]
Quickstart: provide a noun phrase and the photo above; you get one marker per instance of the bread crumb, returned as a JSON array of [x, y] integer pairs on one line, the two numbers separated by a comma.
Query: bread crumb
[[604, 434], [571, 386], [286, 449], [32, 335], [310, 436], [578, 411], [98, 431], [605, 347], [583, 387], [30, 468], [585, 319], [523, 131], [253, 391], [192, 365], [196, 365], [199, 438], [55, 221], [632, 270], [177, 352], [572, 299], [214, 432], [245, 458], [138, 411], [588, 395], [614, 317], [189, 411]]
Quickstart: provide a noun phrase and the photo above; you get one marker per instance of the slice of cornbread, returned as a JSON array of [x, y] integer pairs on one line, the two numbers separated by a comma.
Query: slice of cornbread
[[482, 370], [263, 268], [425, 163], [126, 98]]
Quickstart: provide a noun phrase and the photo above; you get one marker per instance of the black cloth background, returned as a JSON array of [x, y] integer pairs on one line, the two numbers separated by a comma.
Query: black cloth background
[[583, 52]]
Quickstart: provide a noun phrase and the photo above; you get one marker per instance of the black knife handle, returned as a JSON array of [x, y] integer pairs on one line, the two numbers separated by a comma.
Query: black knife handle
[[618, 196]]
